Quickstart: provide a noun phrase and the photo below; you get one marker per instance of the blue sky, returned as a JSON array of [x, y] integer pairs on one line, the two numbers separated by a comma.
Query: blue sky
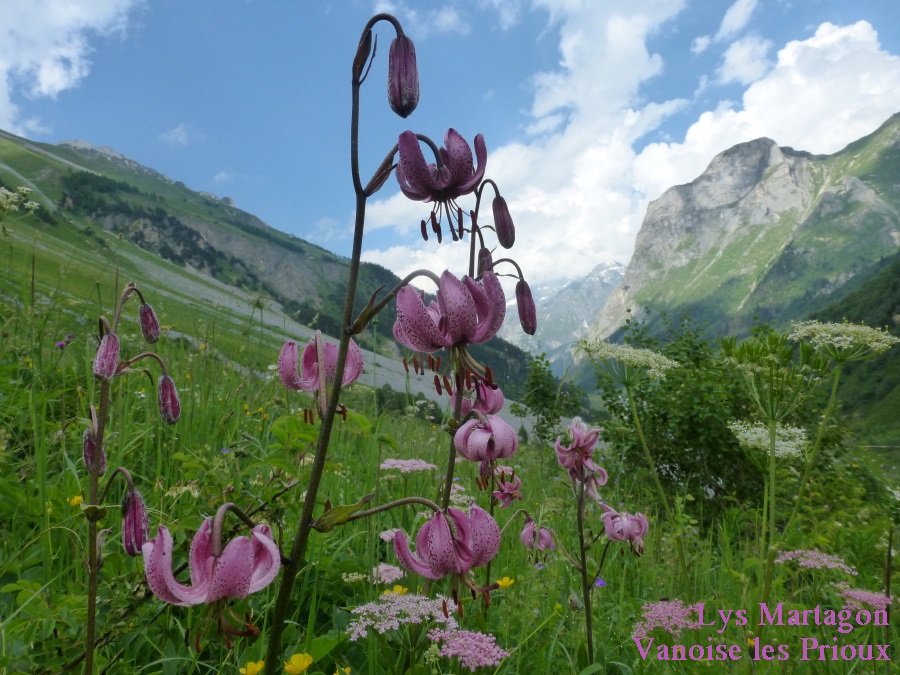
[[589, 109]]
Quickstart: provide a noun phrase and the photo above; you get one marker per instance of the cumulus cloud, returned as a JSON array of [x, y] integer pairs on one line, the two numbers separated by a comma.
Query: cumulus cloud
[[576, 186], [45, 48], [822, 93], [421, 23], [745, 61]]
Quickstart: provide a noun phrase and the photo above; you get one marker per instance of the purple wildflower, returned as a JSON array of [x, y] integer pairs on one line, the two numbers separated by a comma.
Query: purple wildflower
[[815, 560], [387, 574]]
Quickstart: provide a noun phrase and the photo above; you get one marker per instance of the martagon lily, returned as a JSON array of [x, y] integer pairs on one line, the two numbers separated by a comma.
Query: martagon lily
[[466, 312], [472, 541]]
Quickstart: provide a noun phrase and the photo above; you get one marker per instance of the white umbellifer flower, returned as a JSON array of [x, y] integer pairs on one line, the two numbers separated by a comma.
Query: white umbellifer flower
[[843, 341], [654, 363], [789, 441]]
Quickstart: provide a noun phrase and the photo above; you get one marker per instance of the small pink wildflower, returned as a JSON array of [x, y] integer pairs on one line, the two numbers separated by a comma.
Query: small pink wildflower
[[388, 535], [815, 560], [672, 616], [387, 574], [389, 612], [855, 599], [472, 650], [407, 465]]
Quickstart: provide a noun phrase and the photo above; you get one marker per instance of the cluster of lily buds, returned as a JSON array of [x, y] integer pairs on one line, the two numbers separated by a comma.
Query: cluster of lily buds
[[625, 527]]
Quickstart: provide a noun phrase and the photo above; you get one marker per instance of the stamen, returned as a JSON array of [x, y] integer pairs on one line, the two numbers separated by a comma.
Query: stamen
[[424, 231], [437, 385]]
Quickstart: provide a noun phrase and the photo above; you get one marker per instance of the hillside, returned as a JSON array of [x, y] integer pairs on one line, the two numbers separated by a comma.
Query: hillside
[[217, 265], [765, 232]]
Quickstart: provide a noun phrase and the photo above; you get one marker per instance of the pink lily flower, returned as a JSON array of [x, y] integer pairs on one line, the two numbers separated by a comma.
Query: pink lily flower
[[577, 455], [308, 377], [247, 565], [458, 176], [625, 527], [466, 312], [510, 486], [486, 439], [473, 541], [487, 400], [532, 537]]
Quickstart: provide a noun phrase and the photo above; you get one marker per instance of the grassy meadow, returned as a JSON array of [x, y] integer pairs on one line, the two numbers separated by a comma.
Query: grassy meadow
[[242, 438]]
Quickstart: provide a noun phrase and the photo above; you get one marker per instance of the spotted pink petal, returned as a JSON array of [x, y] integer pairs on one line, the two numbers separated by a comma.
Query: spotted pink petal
[[415, 563], [457, 156], [485, 536], [415, 176], [287, 367], [462, 540], [458, 311], [506, 440], [414, 326], [232, 571], [490, 306], [475, 178], [158, 568], [266, 558], [353, 368], [201, 554]]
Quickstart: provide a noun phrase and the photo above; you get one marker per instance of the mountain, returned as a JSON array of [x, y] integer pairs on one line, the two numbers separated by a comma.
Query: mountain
[[565, 311], [102, 212], [765, 232]]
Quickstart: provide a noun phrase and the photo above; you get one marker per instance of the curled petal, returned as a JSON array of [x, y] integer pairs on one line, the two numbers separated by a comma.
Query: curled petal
[[232, 571], [414, 562], [458, 311], [414, 326], [490, 306], [353, 367], [415, 176], [158, 566], [287, 367], [266, 558], [445, 553], [474, 176], [485, 536]]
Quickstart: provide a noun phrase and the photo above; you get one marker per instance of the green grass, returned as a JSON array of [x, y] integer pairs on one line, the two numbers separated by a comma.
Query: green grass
[[242, 439]]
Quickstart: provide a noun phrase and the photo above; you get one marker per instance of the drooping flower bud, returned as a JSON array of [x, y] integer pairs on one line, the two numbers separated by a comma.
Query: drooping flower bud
[[107, 358], [167, 395], [91, 455], [503, 223], [135, 524], [532, 537], [149, 323], [403, 76], [485, 261], [525, 305]]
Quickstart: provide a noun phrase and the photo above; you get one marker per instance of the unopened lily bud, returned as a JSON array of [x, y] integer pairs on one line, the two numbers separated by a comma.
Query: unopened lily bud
[[485, 261], [503, 223], [525, 305], [167, 395], [149, 323], [91, 455], [135, 524], [107, 358], [403, 76]]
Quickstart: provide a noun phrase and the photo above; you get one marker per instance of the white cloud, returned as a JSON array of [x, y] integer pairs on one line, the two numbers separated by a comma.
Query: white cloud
[[823, 93], [745, 61], [699, 45], [440, 20], [44, 48], [177, 135], [735, 19], [224, 176]]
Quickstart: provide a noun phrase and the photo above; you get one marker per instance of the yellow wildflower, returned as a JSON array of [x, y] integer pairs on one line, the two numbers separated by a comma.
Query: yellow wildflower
[[253, 668], [396, 590], [298, 664], [341, 670], [505, 582], [202, 346], [75, 501]]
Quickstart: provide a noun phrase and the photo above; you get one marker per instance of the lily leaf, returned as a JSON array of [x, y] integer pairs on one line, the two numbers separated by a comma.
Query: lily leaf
[[339, 515]]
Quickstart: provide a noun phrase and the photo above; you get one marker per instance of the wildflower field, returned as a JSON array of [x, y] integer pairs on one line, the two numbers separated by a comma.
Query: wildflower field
[[168, 506]]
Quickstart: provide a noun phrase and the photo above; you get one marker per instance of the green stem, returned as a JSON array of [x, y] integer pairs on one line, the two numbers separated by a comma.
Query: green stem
[[814, 453], [659, 487], [585, 577]]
